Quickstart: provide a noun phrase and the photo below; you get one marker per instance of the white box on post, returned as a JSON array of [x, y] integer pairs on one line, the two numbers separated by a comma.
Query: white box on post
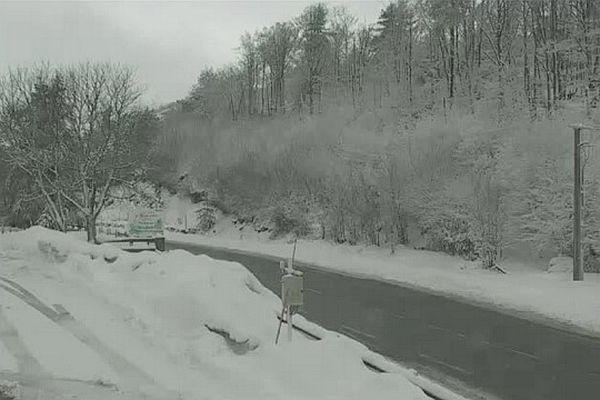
[[292, 291], [292, 295]]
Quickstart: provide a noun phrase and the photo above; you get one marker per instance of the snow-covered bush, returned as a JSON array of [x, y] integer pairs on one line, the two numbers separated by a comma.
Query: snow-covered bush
[[206, 218], [560, 264], [9, 390], [451, 230], [284, 222]]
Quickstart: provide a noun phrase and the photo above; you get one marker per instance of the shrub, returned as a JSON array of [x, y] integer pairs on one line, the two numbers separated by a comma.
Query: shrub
[[206, 218], [450, 232], [284, 223]]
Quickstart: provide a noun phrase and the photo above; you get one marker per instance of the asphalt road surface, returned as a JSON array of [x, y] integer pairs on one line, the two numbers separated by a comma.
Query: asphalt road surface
[[495, 352]]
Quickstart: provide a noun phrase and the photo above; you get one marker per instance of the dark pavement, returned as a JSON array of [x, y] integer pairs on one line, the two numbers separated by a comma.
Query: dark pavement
[[492, 351]]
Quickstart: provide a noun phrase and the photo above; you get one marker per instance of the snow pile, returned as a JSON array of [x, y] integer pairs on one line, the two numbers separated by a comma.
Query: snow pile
[[46, 243], [56, 351], [560, 264], [189, 325], [7, 361]]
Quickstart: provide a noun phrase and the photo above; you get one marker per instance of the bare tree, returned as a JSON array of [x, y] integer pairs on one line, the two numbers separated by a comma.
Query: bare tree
[[499, 20], [73, 131], [31, 129], [315, 44]]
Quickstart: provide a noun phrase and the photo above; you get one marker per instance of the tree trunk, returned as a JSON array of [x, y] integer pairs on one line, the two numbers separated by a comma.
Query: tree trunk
[[55, 209], [311, 106], [232, 107], [533, 83], [352, 73], [91, 229], [410, 61], [262, 90], [451, 67], [281, 88], [526, 90]]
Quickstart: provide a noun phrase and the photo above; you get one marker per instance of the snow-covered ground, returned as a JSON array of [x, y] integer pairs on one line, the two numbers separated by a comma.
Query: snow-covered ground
[[7, 361], [93, 321], [524, 289], [53, 348]]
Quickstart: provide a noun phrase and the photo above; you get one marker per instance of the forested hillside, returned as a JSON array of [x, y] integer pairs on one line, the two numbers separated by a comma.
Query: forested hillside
[[444, 125], [445, 118]]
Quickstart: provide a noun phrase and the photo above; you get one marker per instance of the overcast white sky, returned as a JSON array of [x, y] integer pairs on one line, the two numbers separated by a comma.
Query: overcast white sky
[[168, 42]]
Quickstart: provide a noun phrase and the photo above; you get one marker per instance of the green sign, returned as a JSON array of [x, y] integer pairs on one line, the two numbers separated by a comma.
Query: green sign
[[146, 224]]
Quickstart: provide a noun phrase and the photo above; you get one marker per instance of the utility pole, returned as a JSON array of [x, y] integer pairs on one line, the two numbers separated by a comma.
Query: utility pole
[[577, 256], [577, 197]]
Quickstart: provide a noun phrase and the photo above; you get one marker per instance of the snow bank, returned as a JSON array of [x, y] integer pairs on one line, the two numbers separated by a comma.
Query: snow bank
[[57, 351], [560, 264], [49, 244], [197, 327], [7, 360]]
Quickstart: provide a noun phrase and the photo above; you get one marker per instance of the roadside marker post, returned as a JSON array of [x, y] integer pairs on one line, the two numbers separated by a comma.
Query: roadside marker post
[[292, 296]]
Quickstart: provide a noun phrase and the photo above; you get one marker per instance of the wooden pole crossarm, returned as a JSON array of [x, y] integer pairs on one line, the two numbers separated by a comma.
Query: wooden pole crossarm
[[585, 127]]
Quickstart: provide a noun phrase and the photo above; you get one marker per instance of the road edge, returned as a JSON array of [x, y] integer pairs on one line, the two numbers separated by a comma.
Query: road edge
[[526, 315]]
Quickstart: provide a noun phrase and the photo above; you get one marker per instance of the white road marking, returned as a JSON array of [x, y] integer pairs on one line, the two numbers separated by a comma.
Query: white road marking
[[357, 332], [445, 364], [522, 353], [438, 328], [312, 291]]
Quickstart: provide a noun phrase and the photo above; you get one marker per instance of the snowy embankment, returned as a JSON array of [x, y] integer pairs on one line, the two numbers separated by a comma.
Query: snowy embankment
[[162, 326], [523, 290]]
